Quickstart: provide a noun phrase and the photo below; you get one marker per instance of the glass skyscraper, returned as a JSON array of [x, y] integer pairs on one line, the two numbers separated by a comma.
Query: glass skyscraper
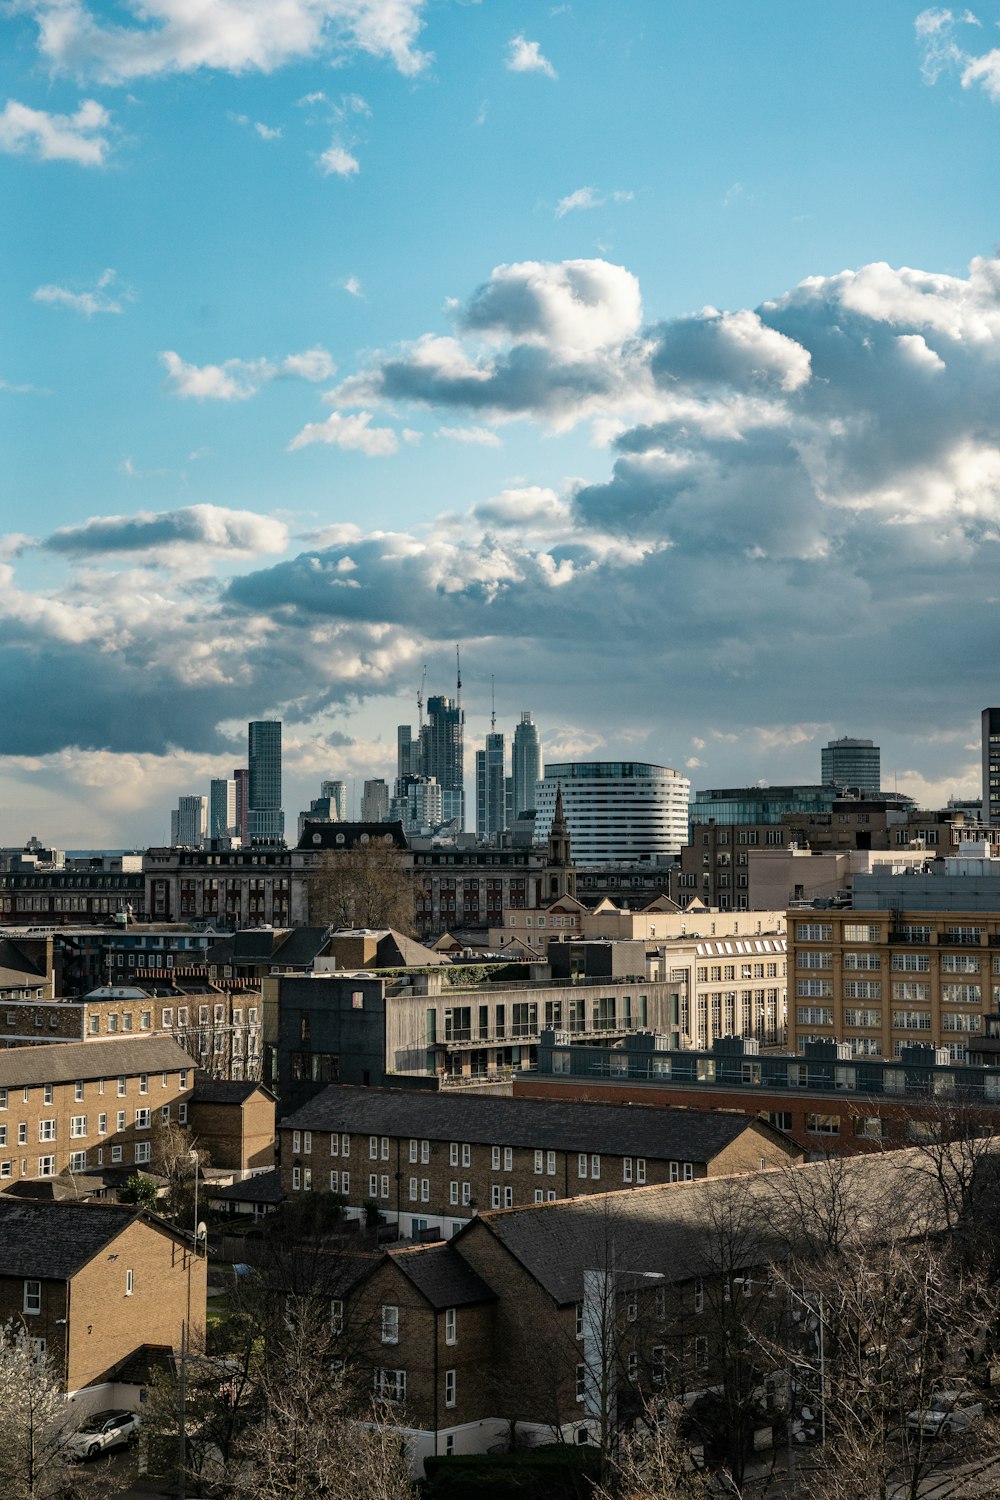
[[526, 766], [265, 819]]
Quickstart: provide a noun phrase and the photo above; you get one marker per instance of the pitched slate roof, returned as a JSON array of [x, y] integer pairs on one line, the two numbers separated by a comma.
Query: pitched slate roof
[[64, 1062], [52, 1241], [15, 968], [208, 1090], [442, 1276], [263, 1187], [619, 1130], [684, 1230]]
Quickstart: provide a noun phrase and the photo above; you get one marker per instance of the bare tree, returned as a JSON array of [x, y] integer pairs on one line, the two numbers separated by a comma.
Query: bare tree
[[654, 1461], [367, 886], [34, 1417], [955, 1157]]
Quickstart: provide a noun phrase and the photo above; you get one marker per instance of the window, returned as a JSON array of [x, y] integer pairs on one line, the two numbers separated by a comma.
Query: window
[[116, 1154], [390, 1385], [821, 988], [22, 1134], [32, 1304], [814, 1015], [142, 1119], [467, 1193], [627, 1169], [911, 963], [508, 1197], [449, 1387], [129, 1282], [466, 1155], [78, 1126], [550, 1163], [384, 1186], [102, 1124], [813, 932], [78, 1092], [46, 1166], [862, 989], [390, 1325], [373, 1147], [640, 1169], [121, 1119], [581, 1382], [307, 1142], [413, 1190], [701, 1352], [539, 1162], [182, 1114], [143, 1083], [453, 1154], [425, 1190], [450, 1325], [814, 958], [453, 1192], [861, 932], [581, 1164], [823, 1124], [47, 1094], [495, 1158], [296, 1178], [46, 1130], [121, 1088]]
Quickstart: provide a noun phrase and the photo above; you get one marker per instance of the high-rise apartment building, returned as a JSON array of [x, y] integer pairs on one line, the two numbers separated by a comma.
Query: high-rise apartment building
[[991, 765], [417, 804], [407, 752], [491, 787], [265, 818], [526, 766], [189, 821], [442, 754], [241, 776], [221, 808], [375, 802], [336, 792], [852, 763], [617, 811]]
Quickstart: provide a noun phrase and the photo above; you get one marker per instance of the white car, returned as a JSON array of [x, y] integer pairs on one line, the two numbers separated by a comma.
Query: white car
[[949, 1411], [102, 1431]]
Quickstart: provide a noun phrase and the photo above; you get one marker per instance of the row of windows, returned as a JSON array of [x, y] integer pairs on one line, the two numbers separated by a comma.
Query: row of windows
[[141, 1156]]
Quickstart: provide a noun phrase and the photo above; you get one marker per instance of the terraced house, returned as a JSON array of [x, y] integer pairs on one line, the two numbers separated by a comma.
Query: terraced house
[[84, 1106], [429, 1161]]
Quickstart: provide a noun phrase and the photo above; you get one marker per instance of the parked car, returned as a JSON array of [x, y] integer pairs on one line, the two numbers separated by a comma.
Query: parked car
[[102, 1431], [948, 1411]]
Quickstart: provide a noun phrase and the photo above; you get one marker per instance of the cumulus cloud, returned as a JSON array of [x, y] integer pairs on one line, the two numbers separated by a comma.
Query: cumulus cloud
[[483, 437], [81, 137], [527, 57], [336, 162], [353, 433], [941, 44], [87, 303], [235, 36], [210, 528], [556, 341], [238, 379]]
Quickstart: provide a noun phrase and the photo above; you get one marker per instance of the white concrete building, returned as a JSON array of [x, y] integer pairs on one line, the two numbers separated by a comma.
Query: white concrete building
[[617, 810]]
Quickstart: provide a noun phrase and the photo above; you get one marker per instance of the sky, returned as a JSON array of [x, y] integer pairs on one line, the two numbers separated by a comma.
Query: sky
[[650, 350]]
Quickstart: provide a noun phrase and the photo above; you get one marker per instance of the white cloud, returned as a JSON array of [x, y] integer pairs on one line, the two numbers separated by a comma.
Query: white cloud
[[484, 437], [353, 433], [196, 529], [236, 36], [589, 197], [942, 51], [267, 132], [87, 303], [527, 57], [238, 379], [335, 161], [81, 137], [352, 285], [733, 194]]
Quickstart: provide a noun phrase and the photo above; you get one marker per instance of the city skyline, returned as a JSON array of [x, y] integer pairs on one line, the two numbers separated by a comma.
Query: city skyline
[[650, 357]]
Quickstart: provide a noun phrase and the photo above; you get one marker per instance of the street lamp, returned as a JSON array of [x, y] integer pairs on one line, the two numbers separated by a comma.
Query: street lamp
[[600, 1374], [200, 1234]]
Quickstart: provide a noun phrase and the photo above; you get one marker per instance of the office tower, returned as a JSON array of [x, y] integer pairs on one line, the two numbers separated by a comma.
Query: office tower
[[616, 810], [407, 752], [265, 820], [991, 765], [491, 801], [336, 791], [189, 821], [375, 802], [441, 754], [241, 776], [417, 804], [221, 808], [852, 763], [526, 766]]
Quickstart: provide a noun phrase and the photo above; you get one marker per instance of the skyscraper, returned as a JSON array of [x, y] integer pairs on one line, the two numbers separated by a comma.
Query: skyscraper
[[442, 754], [407, 752], [491, 801], [265, 819], [852, 763], [526, 766], [991, 765], [241, 776], [375, 802], [189, 821], [336, 791], [221, 808]]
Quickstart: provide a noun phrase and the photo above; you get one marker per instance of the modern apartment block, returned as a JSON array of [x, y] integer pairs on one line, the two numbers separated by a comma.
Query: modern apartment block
[[991, 765]]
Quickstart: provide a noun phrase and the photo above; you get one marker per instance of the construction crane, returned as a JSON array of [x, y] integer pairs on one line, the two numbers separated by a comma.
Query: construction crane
[[420, 697], [493, 702], [458, 669]]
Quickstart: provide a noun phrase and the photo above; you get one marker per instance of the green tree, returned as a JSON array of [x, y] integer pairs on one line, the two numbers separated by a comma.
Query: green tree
[[138, 1189]]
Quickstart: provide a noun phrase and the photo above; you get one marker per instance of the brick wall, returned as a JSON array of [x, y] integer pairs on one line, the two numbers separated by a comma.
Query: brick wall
[[240, 1136]]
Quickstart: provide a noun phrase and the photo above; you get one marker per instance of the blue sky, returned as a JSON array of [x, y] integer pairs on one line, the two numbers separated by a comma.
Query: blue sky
[[650, 350]]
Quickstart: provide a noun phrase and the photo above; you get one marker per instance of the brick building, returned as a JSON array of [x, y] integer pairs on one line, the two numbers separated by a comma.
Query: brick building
[[431, 1161], [82, 1107], [828, 1102], [93, 1284], [233, 1121]]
